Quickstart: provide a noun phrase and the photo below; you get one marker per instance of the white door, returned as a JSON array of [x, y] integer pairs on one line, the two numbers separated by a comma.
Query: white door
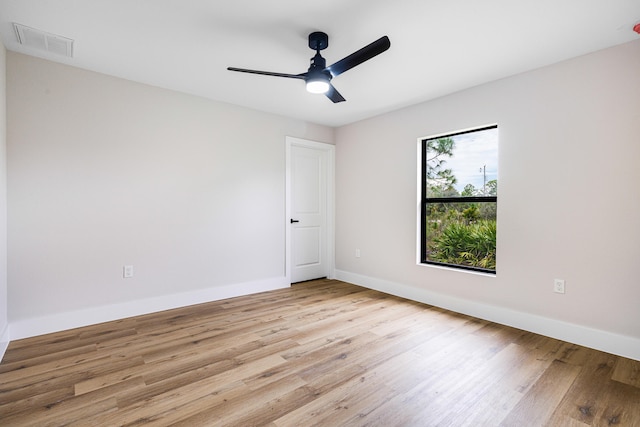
[[310, 165]]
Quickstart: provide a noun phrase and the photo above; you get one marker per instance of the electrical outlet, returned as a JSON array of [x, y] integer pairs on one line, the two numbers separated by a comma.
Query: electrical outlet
[[127, 271], [357, 253], [558, 286]]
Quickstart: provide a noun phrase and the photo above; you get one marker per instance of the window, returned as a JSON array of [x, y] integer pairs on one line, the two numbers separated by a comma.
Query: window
[[459, 197]]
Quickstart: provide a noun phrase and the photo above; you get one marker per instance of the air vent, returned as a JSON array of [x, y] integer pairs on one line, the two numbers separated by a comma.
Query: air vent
[[47, 42]]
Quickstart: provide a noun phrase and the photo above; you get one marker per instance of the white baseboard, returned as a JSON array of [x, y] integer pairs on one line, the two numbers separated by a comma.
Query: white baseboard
[[4, 340], [609, 342], [91, 316]]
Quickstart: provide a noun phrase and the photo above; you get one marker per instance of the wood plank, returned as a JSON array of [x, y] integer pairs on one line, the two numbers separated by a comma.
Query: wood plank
[[620, 405], [627, 372], [266, 404], [338, 405], [478, 402], [540, 402], [47, 381], [583, 401]]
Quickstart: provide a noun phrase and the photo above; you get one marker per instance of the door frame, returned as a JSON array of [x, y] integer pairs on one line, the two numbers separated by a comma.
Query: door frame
[[330, 228]]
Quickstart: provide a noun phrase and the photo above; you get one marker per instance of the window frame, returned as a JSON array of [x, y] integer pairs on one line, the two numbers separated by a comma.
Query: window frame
[[425, 201]]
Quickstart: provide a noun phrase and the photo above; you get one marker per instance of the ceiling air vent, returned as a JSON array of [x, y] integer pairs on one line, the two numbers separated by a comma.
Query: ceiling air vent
[[36, 39]]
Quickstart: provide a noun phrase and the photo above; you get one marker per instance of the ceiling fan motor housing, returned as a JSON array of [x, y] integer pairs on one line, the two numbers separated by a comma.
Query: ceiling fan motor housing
[[318, 40]]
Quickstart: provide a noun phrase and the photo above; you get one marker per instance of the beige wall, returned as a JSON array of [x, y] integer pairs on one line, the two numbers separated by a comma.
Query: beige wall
[[4, 331], [105, 172], [569, 171]]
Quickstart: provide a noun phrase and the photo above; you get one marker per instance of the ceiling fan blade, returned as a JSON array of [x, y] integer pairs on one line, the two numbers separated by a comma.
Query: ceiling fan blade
[[334, 95], [268, 73], [358, 57]]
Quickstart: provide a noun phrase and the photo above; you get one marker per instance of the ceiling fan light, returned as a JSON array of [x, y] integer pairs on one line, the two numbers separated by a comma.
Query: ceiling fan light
[[318, 84]]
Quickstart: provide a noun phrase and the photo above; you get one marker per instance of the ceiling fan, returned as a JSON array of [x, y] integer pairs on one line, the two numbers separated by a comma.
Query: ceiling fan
[[318, 76]]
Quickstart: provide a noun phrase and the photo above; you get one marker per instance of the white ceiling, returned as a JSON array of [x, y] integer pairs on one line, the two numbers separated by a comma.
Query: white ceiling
[[437, 46]]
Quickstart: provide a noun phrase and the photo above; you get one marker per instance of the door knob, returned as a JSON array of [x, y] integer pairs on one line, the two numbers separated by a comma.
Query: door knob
[[294, 220]]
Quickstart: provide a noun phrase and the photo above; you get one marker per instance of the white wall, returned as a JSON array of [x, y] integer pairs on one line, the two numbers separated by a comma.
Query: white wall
[[4, 324], [568, 200], [105, 172]]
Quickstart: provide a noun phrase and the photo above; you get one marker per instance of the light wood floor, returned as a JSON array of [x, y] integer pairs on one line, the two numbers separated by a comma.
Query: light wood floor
[[320, 353]]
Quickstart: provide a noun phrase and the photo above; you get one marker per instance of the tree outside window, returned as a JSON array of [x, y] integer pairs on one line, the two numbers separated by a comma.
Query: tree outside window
[[459, 199]]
